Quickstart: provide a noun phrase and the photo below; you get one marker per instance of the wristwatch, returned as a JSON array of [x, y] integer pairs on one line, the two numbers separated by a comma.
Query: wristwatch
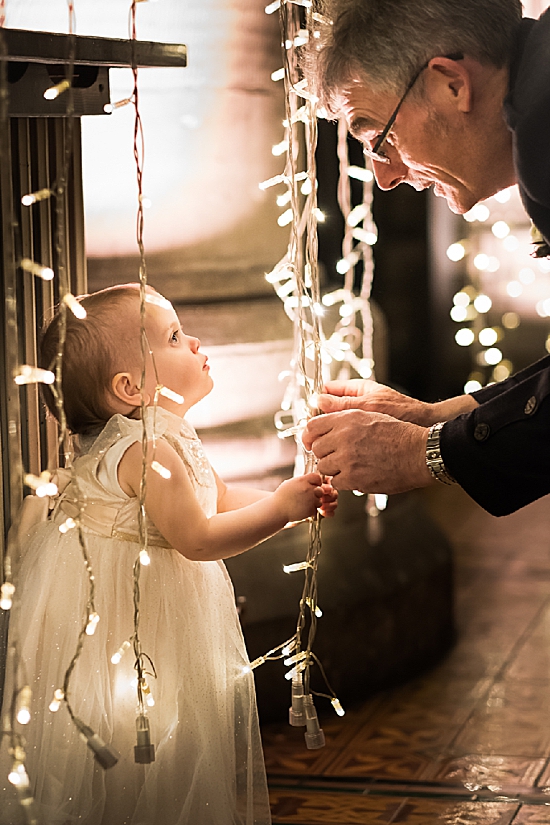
[[434, 461]]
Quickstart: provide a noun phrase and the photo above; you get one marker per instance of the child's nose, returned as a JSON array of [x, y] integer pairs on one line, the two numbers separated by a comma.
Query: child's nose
[[194, 343]]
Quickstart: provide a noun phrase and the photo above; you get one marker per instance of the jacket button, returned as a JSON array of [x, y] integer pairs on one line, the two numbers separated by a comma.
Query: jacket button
[[530, 406], [481, 432]]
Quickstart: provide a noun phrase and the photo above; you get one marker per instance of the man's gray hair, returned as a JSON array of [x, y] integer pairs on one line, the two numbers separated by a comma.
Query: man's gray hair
[[384, 42]]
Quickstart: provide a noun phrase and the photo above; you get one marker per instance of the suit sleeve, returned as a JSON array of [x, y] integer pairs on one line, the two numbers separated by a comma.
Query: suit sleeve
[[500, 452]]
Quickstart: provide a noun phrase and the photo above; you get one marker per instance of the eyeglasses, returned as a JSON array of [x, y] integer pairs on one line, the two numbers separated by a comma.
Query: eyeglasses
[[377, 153]]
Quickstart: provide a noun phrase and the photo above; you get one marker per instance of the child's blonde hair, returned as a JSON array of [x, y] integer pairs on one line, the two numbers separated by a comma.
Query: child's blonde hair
[[107, 341]]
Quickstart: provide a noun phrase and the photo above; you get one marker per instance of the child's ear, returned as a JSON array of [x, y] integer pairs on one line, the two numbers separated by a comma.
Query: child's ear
[[127, 390]]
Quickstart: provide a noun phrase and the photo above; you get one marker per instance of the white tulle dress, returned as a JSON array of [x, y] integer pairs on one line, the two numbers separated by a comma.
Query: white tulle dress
[[209, 766]]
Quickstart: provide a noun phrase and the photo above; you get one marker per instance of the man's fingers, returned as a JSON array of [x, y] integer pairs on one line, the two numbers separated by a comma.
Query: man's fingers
[[334, 403], [316, 427]]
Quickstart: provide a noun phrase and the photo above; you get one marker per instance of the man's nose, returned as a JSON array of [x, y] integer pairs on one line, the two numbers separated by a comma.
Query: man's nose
[[390, 175]]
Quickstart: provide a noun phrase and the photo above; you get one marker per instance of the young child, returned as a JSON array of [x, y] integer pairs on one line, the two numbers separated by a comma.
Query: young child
[[208, 767]]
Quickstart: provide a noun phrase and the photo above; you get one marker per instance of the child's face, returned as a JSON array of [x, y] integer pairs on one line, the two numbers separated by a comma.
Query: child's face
[[179, 364]]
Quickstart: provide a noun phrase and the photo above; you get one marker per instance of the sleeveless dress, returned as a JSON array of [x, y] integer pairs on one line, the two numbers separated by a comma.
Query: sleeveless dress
[[208, 767]]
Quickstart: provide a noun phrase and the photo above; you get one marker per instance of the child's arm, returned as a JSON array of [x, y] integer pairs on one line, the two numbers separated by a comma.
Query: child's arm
[[172, 506]]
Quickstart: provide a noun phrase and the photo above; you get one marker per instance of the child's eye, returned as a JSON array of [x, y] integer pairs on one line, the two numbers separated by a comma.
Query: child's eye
[[175, 336]]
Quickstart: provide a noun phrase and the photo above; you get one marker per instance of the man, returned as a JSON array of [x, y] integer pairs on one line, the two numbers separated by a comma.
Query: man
[[453, 94]]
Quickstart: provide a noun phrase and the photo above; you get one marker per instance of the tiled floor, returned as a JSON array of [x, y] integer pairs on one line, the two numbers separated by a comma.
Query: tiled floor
[[468, 743]]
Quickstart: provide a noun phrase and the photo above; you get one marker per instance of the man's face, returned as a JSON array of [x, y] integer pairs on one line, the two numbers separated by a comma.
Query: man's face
[[424, 147]]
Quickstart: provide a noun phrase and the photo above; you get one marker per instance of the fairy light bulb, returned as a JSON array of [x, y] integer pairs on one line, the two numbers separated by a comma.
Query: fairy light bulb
[[294, 568], [67, 525], [456, 252], [298, 657], [459, 314], [44, 272], [492, 356], [285, 218], [272, 7], [283, 199], [483, 303], [279, 148], [75, 306], [319, 215], [360, 173], [35, 197], [171, 395], [42, 484], [18, 776], [109, 108], [358, 214], [54, 91], [7, 589], [93, 620], [500, 229], [277, 75], [488, 336], [526, 276], [472, 386], [298, 668], [337, 706], [33, 375], [24, 705], [514, 289], [162, 471], [510, 243], [464, 337], [116, 657], [58, 697]]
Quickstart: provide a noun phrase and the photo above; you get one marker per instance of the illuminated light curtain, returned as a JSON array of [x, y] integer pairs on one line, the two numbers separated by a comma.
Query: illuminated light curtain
[[503, 284]]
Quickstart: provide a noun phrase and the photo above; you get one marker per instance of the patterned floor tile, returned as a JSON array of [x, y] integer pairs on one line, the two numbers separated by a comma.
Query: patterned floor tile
[[430, 811], [533, 815], [331, 809], [497, 772]]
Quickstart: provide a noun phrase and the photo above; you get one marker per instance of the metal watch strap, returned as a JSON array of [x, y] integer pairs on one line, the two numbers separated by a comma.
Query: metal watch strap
[[434, 461]]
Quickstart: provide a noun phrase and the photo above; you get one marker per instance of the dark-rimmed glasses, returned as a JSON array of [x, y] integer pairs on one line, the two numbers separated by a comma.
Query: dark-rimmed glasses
[[376, 153]]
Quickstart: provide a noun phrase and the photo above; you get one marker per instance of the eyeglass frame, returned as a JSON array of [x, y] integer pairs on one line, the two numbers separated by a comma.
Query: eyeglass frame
[[375, 153]]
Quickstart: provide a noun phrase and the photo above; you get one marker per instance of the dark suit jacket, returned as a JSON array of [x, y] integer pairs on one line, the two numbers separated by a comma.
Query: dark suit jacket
[[500, 452]]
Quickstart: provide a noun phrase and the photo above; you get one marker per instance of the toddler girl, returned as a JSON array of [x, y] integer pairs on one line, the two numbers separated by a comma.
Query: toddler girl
[[208, 765]]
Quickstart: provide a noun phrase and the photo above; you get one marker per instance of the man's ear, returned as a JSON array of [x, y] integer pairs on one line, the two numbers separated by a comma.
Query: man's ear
[[125, 388], [451, 80]]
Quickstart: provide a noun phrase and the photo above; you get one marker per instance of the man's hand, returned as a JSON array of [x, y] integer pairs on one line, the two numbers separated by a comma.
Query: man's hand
[[370, 396], [368, 451]]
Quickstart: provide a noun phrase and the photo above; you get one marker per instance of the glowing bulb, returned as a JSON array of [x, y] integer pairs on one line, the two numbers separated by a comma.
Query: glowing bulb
[[510, 320], [58, 697], [283, 199], [58, 89], [488, 336], [459, 314], [34, 197], [483, 303], [40, 271], [492, 356], [299, 668], [381, 500], [24, 701], [279, 148], [365, 236], [456, 252], [75, 306], [298, 657], [464, 337], [514, 289], [67, 525], [493, 265], [502, 371], [164, 472], [319, 215], [306, 188], [266, 184], [116, 657], [33, 375], [337, 706], [157, 300], [6, 593], [278, 75], [285, 218], [500, 229], [471, 386], [343, 266], [144, 558], [93, 619], [359, 173], [481, 261], [294, 568], [357, 214], [504, 195], [171, 395], [479, 212], [461, 299]]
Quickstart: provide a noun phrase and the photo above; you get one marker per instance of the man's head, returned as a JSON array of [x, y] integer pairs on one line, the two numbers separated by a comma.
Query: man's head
[[449, 130]]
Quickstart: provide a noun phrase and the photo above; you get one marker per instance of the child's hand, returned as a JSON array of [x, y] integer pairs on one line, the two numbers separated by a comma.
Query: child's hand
[[301, 497]]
